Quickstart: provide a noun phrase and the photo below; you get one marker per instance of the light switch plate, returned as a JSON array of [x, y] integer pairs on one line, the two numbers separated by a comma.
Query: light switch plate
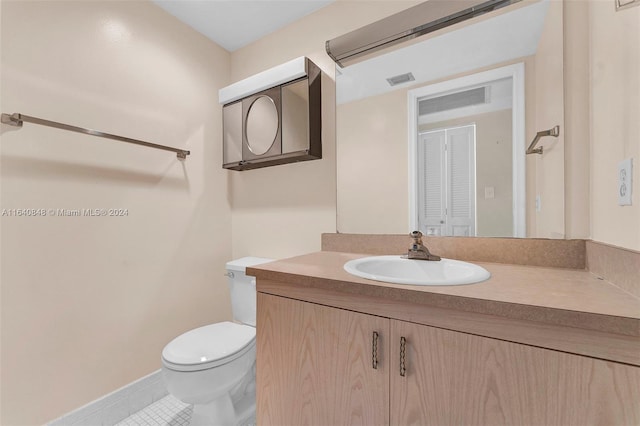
[[625, 181], [489, 192]]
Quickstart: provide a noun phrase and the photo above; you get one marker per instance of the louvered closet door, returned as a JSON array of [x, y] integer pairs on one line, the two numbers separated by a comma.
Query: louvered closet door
[[461, 176], [446, 181], [432, 183]]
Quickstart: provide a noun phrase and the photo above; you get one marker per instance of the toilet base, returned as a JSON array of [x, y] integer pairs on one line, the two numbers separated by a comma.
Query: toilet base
[[236, 408], [218, 412], [222, 412]]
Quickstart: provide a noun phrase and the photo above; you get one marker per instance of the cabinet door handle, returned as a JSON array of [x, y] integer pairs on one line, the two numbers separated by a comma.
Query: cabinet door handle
[[374, 351], [403, 348]]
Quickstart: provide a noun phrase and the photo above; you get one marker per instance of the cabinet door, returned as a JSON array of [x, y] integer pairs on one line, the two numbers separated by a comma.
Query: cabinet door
[[315, 365], [455, 378]]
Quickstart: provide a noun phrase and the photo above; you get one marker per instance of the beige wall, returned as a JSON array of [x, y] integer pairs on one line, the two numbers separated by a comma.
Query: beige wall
[[373, 185], [614, 66], [89, 302], [576, 119], [549, 112], [281, 211]]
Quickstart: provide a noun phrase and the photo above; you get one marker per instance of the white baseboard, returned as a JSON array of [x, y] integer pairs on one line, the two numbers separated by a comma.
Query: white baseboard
[[118, 405]]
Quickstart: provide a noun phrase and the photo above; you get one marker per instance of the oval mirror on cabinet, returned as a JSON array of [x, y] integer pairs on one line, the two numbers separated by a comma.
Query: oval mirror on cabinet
[[262, 125]]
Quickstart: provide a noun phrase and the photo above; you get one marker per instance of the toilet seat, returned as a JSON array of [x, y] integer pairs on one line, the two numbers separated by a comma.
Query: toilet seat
[[209, 346]]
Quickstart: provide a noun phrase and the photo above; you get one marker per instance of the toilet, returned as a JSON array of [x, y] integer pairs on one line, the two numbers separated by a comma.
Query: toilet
[[213, 367]]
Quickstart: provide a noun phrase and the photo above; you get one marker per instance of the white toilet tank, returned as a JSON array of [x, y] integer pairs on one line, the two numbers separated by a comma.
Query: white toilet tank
[[243, 289]]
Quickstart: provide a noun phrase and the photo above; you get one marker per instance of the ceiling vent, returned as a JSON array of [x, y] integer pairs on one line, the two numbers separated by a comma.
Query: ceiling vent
[[402, 78], [477, 96]]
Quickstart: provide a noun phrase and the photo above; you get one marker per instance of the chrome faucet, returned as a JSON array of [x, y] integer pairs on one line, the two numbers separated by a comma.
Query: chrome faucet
[[417, 250]]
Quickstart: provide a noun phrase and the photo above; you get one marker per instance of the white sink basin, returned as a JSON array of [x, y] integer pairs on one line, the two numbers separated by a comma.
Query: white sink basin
[[398, 270]]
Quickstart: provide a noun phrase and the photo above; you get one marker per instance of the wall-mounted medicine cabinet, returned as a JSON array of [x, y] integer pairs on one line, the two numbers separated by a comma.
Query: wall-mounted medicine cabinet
[[273, 117]]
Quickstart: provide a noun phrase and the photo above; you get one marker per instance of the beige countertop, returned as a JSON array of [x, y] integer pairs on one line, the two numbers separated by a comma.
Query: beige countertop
[[563, 297]]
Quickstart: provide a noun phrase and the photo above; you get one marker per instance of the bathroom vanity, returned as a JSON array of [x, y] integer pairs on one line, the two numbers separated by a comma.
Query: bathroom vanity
[[532, 345]]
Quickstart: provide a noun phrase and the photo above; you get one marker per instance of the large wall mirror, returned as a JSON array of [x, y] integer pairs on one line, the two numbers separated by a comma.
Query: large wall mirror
[[432, 134]]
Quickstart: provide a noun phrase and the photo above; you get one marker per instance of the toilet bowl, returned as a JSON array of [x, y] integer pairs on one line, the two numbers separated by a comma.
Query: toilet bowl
[[213, 367]]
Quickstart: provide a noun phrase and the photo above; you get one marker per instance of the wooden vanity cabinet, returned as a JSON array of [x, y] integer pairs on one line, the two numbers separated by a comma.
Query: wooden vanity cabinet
[[455, 378], [314, 367]]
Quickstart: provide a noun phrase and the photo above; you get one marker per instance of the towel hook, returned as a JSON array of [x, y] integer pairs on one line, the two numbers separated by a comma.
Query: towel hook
[[555, 131]]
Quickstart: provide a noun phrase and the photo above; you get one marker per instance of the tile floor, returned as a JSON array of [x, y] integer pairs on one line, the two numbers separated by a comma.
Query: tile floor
[[167, 411]]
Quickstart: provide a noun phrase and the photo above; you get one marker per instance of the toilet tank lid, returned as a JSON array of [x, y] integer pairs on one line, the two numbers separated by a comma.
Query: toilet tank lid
[[240, 265]]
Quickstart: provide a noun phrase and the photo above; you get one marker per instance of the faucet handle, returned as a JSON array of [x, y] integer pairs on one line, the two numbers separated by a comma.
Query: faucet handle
[[417, 237]]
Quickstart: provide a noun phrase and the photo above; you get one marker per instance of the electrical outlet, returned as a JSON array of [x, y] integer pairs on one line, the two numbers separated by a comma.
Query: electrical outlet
[[625, 181], [538, 203]]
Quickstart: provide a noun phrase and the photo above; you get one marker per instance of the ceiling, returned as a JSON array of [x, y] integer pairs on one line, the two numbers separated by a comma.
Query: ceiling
[[233, 24]]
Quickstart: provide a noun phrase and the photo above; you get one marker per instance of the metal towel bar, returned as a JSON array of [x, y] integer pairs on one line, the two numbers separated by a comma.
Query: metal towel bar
[[17, 119], [551, 132]]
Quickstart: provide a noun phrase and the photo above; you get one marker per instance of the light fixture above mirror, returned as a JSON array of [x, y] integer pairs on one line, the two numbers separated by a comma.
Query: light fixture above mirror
[[404, 26]]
